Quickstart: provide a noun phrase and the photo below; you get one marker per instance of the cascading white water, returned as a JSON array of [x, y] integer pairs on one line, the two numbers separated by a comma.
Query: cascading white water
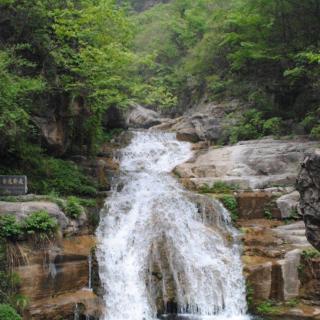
[[206, 269]]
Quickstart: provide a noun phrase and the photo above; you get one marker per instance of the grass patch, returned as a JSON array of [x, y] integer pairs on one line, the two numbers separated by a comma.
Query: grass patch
[[231, 204], [219, 187], [267, 307]]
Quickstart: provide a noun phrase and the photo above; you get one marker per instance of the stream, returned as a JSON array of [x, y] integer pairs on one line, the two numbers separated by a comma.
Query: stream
[[158, 256]]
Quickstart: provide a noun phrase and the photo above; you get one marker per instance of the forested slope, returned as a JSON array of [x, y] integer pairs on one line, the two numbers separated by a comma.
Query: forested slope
[[64, 63], [265, 53]]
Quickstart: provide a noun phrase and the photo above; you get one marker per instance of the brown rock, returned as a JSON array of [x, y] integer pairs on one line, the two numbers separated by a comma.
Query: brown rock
[[48, 274], [254, 205]]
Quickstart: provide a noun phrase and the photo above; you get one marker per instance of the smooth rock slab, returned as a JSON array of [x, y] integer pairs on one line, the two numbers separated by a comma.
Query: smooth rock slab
[[256, 164]]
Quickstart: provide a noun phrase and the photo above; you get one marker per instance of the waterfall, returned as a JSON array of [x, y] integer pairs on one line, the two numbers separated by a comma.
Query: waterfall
[[153, 220], [76, 312], [90, 271]]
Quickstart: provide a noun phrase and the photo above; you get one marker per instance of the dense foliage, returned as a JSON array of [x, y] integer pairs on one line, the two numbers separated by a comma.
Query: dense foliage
[[8, 313], [63, 63], [264, 52]]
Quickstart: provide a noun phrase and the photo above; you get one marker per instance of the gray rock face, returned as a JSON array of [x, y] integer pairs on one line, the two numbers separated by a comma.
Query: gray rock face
[[140, 117], [53, 133], [308, 184], [288, 204], [204, 122], [255, 164]]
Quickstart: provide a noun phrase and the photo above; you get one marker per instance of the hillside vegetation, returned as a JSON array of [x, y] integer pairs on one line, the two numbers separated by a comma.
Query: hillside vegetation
[[63, 63], [264, 52]]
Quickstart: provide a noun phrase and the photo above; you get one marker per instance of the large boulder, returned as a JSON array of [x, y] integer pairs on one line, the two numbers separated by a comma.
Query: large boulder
[[255, 164], [140, 117], [308, 184], [134, 116], [23, 209]]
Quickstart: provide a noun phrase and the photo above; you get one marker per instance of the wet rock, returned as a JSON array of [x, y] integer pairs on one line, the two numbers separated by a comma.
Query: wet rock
[[310, 278], [55, 278], [64, 307], [260, 280], [308, 184], [256, 164], [288, 204]]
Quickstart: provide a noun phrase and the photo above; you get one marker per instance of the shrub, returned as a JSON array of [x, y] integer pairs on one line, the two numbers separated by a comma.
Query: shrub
[[40, 222], [315, 132], [49, 175], [311, 253], [8, 313], [272, 126], [10, 228], [253, 126], [73, 209], [230, 202]]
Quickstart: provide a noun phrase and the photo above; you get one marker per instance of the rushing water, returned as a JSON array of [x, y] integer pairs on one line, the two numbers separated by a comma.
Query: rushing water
[[205, 268]]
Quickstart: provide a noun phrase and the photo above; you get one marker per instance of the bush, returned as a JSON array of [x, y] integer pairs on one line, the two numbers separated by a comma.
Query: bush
[[315, 132], [272, 126], [311, 253], [253, 126], [73, 209], [40, 222], [10, 228], [8, 313], [230, 202]]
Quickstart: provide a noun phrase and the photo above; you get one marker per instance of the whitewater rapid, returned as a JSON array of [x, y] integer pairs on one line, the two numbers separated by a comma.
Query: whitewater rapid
[[147, 206]]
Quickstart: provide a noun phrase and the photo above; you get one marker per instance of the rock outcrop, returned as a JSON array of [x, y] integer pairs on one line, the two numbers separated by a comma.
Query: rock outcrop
[[288, 204], [308, 184], [205, 122], [55, 279], [255, 164], [140, 117], [23, 209]]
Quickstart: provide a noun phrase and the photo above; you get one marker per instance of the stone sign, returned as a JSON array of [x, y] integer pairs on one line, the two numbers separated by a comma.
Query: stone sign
[[13, 185]]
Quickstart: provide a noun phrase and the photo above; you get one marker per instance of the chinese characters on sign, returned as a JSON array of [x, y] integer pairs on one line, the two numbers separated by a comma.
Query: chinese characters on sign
[[13, 185]]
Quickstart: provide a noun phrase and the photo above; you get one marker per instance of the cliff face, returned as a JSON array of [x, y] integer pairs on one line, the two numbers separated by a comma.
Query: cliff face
[[308, 184]]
